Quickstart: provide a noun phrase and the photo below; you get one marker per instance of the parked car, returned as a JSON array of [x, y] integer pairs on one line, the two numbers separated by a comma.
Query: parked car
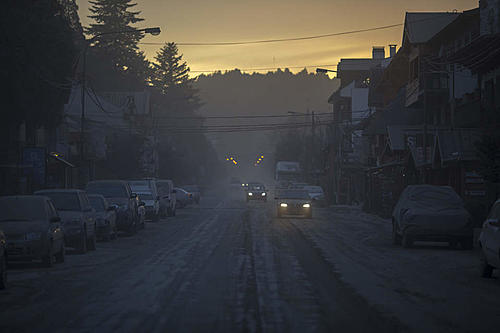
[[77, 215], [316, 194], [168, 196], [150, 203], [195, 191], [3, 261], [118, 192], [184, 198], [256, 191], [32, 228], [293, 202], [105, 217], [431, 213], [489, 241], [148, 194]]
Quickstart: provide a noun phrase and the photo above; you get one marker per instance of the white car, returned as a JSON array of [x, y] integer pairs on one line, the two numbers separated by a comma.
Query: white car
[[489, 241]]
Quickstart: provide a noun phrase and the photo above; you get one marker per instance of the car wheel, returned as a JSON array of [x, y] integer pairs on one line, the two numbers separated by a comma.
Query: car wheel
[[156, 217], [92, 243], [48, 259], [407, 241], [3, 273], [170, 212], [174, 212], [60, 256], [279, 214], [82, 248], [486, 269], [396, 238]]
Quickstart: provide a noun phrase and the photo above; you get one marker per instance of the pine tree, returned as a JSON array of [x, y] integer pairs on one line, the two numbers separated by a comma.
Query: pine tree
[[115, 16], [170, 70]]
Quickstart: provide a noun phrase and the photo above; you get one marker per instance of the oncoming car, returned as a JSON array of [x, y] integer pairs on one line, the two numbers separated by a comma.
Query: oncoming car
[[291, 202], [256, 191]]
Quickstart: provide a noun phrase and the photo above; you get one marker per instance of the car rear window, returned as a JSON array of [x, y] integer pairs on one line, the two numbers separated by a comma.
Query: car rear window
[[64, 201], [22, 209], [108, 190]]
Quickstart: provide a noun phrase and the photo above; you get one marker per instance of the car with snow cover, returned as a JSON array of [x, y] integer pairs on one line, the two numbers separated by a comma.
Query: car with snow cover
[[32, 229], [105, 217], [489, 241], [118, 192], [77, 215], [431, 213], [3, 261]]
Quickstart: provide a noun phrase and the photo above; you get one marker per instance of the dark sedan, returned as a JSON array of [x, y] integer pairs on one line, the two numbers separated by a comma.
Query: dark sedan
[[32, 228], [293, 202]]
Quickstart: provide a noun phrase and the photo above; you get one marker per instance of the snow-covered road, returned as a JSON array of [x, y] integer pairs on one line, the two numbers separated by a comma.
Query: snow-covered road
[[229, 266]]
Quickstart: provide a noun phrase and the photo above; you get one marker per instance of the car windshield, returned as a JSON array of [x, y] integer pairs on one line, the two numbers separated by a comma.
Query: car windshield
[[145, 196], [21, 209], [109, 190], [314, 189], [256, 187], [139, 183], [64, 200], [293, 194], [97, 203]]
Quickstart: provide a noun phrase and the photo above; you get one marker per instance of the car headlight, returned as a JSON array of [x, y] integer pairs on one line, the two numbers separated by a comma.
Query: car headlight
[[284, 205], [264, 194], [33, 236], [306, 205], [250, 194], [243, 185]]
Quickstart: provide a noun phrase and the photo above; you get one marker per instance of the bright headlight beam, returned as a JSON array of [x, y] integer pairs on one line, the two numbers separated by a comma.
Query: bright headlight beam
[[250, 194], [284, 205], [306, 205]]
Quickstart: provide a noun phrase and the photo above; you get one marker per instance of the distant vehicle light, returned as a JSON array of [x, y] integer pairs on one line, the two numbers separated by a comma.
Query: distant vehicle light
[[306, 205], [263, 194], [250, 194], [284, 205], [243, 185]]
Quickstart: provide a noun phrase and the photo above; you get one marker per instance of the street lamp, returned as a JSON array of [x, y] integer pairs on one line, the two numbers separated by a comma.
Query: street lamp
[[324, 70], [153, 31]]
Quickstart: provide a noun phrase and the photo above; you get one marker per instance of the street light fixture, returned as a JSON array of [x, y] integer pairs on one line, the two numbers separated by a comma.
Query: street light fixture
[[324, 70], [153, 31]]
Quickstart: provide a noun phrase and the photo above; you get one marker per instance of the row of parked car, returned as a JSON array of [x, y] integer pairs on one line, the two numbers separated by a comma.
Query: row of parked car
[[42, 225]]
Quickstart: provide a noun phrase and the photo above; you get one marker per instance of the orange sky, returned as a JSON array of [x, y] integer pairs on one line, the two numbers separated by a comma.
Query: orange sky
[[245, 20]]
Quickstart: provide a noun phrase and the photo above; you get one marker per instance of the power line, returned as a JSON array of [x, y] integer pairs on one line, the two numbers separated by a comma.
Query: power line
[[279, 40], [259, 69]]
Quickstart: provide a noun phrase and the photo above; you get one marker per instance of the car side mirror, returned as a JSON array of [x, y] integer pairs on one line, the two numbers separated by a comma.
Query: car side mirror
[[142, 203], [55, 219], [133, 196]]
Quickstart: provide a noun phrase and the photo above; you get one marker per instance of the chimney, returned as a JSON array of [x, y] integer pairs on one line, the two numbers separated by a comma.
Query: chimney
[[378, 52], [392, 50]]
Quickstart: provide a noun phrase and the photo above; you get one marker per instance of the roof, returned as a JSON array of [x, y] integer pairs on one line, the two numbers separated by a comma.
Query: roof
[[357, 64], [421, 27]]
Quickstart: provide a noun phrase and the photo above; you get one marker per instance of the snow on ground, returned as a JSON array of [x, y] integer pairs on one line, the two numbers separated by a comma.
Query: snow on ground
[[429, 288]]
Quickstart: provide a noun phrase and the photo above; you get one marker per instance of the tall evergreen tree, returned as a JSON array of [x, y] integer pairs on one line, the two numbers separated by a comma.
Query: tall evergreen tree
[[121, 48], [170, 76], [170, 70]]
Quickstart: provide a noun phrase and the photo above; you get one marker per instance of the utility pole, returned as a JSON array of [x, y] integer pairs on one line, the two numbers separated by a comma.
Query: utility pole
[[313, 150]]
